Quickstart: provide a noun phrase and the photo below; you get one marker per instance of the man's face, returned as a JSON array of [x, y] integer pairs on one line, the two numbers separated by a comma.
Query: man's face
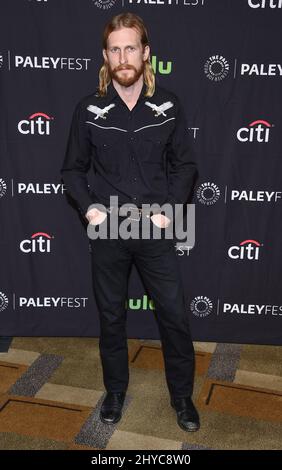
[[125, 56]]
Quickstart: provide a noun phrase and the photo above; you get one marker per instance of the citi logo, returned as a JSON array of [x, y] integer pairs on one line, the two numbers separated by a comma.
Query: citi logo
[[37, 123], [3, 187], [160, 67], [39, 242], [3, 301], [248, 249], [258, 131], [265, 3]]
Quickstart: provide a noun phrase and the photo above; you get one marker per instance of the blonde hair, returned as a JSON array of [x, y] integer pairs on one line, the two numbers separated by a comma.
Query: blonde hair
[[126, 20]]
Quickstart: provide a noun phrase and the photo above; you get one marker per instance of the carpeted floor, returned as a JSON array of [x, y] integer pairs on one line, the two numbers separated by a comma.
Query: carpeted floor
[[51, 390]]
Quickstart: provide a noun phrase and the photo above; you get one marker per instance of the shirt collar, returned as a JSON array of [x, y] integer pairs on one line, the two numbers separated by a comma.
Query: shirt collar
[[113, 94]]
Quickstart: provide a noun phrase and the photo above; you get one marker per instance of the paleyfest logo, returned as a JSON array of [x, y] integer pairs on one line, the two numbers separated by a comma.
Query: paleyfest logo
[[51, 63]]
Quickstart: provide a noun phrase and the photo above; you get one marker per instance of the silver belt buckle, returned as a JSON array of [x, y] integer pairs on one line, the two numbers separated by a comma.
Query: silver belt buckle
[[131, 217]]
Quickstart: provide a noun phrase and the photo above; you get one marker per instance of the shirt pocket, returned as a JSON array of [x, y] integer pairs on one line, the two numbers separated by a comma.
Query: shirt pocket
[[153, 142], [107, 153], [153, 149]]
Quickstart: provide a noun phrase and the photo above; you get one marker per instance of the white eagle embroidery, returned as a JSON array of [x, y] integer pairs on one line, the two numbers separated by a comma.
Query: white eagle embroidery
[[159, 109], [100, 111]]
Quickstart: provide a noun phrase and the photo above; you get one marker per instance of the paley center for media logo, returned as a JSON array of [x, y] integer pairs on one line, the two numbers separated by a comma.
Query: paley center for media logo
[[3, 187], [247, 249], [217, 68], [104, 4], [256, 131], [209, 193], [201, 306], [39, 242], [4, 301]]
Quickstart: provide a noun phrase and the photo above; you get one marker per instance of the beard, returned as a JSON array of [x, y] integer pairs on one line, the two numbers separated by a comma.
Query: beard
[[126, 80]]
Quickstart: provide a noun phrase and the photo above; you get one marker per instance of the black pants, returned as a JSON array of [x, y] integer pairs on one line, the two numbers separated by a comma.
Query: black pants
[[157, 263]]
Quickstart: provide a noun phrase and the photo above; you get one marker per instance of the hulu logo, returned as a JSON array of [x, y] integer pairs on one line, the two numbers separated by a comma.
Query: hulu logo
[[159, 66], [138, 304]]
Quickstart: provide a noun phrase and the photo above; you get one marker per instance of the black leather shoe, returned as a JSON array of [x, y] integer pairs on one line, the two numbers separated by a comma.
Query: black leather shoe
[[187, 415], [111, 407]]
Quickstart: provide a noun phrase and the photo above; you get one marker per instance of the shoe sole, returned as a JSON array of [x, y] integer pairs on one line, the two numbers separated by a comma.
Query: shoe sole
[[110, 422], [187, 429]]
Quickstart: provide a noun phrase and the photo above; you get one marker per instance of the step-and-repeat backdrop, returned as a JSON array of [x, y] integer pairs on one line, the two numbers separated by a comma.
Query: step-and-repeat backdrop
[[223, 59]]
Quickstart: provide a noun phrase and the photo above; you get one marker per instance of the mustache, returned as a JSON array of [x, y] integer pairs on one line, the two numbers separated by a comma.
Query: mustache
[[124, 67]]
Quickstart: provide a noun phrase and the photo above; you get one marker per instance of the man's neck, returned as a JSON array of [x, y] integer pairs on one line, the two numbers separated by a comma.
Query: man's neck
[[129, 94]]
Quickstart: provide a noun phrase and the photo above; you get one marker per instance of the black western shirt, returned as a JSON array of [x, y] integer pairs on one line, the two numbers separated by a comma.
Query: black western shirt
[[141, 156]]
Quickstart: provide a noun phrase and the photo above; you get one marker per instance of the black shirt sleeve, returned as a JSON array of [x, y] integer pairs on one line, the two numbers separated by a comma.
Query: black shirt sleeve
[[77, 161]]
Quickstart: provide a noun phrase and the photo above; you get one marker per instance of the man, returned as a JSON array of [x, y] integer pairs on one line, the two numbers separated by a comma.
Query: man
[[134, 134]]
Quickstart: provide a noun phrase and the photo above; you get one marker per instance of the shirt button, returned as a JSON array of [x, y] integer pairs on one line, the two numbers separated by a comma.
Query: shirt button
[[134, 198], [132, 158], [134, 179], [131, 138]]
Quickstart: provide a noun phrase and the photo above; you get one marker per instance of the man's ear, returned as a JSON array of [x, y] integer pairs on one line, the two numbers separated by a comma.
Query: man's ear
[[105, 55], [146, 52]]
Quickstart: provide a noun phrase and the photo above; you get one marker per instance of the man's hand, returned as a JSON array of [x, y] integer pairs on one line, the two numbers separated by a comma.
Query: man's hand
[[95, 217], [160, 220]]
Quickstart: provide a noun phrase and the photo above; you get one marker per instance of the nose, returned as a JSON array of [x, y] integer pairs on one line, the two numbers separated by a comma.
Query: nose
[[122, 57]]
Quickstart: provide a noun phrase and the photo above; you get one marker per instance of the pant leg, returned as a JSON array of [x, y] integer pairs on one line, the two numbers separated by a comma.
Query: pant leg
[[111, 264], [157, 263]]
